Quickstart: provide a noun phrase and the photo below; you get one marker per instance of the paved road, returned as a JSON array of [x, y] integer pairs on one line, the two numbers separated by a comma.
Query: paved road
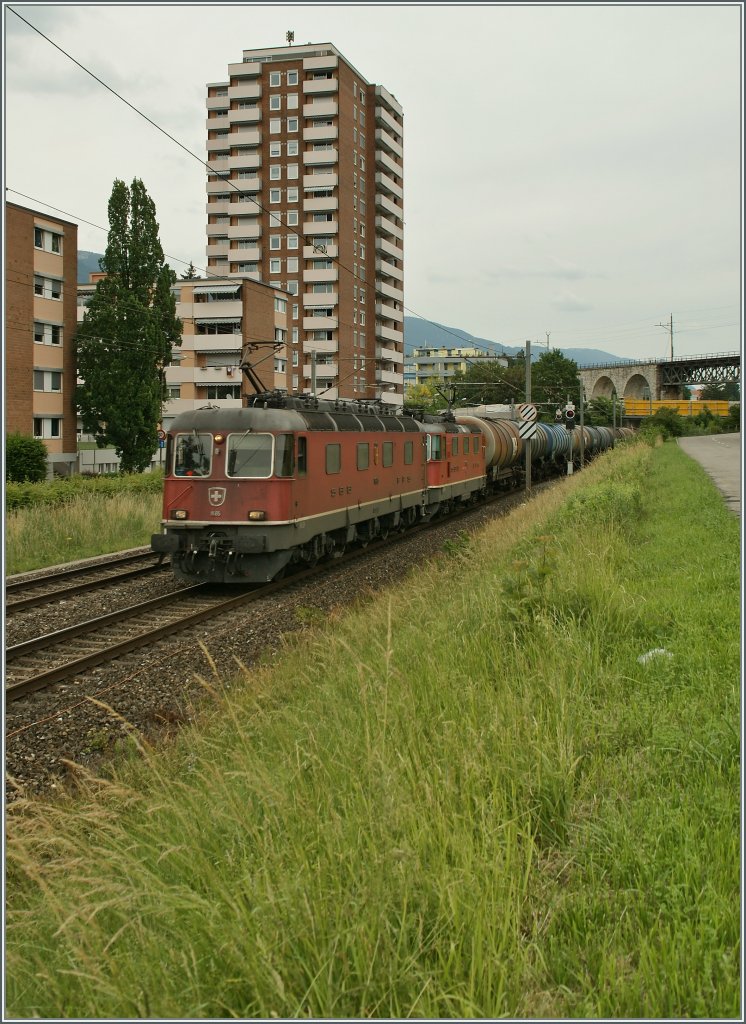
[[720, 456]]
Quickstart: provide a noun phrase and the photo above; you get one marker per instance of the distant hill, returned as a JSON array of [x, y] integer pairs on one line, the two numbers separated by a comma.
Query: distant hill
[[87, 264], [423, 334]]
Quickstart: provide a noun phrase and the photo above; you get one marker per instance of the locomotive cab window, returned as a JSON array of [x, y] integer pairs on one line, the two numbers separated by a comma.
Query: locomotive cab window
[[249, 455], [284, 455], [192, 454]]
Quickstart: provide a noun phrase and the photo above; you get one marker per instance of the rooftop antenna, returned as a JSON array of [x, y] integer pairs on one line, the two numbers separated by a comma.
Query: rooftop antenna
[[290, 36]]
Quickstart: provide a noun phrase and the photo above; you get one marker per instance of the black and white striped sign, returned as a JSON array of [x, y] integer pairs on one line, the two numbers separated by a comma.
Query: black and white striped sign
[[526, 411], [527, 430]]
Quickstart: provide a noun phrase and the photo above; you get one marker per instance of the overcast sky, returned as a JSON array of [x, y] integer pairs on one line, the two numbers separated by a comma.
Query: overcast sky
[[568, 169]]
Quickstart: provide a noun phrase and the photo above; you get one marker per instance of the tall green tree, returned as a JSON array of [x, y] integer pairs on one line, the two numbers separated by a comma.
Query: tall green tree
[[727, 391], [554, 378], [128, 334], [489, 382], [190, 274]]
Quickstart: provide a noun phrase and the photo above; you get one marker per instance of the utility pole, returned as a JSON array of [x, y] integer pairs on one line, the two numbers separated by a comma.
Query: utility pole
[[669, 328], [313, 373], [547, 334], [528, 402]]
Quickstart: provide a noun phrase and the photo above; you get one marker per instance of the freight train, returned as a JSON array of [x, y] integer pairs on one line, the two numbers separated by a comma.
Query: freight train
[[288, 480]]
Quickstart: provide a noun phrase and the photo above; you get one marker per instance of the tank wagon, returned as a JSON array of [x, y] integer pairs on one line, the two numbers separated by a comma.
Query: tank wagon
[[286, 480]]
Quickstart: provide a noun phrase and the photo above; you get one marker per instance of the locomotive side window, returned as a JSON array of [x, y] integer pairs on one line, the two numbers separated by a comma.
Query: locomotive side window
[[454, 445], [475, 442], [284, 455], [302, 456], [434, 447], [249, 455], [388, 453], [192, 454], [408, 453], [333, 458], [363, 456]]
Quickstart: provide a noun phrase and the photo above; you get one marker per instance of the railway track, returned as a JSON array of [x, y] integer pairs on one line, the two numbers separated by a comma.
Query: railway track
[[23, 594], [51, 658]]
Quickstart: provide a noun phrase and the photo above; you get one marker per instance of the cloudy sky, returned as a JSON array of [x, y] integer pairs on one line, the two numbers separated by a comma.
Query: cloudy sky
[[568, 169]]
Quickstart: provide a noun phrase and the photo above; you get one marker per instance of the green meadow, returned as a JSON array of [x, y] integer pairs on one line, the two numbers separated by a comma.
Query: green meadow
[[508, 787]]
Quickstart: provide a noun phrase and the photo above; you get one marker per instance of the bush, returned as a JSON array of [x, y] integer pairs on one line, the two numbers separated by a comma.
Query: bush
[[25, 458], [62, 492]]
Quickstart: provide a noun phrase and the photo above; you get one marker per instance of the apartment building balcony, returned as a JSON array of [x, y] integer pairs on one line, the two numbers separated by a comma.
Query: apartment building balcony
[[221, 208], [319, 157], [322, 369], [320, 86], [386, 184], [246, 137], [247, 231], [386, 141], [319, 181], [218, 102], [320, 276], [325, 347], [310, 299], [245, 69], [216, 342], [385, 120], [389, 248], [245, 91], [245, 208], [321, 133], [388, 377], [321, 205], [320, 227], [309, 253], [252, 255], [384, 226], [326, 63], [383, 160], [245, 114], [217, 248], [388, 100], [218, 229], [389, 270], [219, 186], [320, 323], [389, 355], [218, 123], [321, 108], [219, 165], [244, 184], [389, 291], [389, 334], [246, 161], [387, 312], [387, 205]]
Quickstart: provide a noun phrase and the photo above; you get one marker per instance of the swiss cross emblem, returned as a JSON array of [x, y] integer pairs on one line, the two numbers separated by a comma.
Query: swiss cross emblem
[[217, 495]]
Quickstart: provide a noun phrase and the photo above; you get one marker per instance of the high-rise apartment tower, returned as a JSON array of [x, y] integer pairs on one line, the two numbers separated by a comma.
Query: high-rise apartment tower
[[305, 192]]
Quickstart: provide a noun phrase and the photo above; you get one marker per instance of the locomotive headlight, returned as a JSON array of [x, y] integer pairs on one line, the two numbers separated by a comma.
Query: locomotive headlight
[[257, 515], [179, 513], [219, 438]]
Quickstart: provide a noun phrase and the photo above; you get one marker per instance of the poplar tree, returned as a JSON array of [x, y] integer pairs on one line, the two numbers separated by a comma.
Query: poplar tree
[[126, 338]]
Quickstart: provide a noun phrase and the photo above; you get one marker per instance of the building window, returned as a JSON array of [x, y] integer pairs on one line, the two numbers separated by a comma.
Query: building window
[[292, 287], [275, 79], [292, 218], [47, 287], [295, 311], [275, 220], [292, 171], [292, 266], [292, 77], [174, 391], [292, 195], [47, 380], [362, 251], [280, 335], [293, 148], [280, 305], [296, 358], [326, 288], [274, 102], [274, 172], [292, 100], [275, 149], [274, 266], [47, 334], [292, 124], [295, 335], [275, 126], [275, 195], [223, 390], [50, 241], [292, 241], [47, 426]]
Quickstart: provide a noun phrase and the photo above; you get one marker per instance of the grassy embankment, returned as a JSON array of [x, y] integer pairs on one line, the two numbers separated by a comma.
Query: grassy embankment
[[468, 798], [61, 521]]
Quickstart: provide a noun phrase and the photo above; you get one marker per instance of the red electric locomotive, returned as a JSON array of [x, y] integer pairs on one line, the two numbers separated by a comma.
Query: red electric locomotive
[[249, 491]]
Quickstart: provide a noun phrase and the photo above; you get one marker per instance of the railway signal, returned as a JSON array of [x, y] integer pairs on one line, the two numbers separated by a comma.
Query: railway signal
[[569, 415]]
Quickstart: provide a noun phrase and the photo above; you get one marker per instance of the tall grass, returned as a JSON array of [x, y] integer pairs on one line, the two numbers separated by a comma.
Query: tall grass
[[91, 524], [467, 798]]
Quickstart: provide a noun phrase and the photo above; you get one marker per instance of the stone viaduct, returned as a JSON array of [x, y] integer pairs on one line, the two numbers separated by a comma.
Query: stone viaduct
[[658, 378]]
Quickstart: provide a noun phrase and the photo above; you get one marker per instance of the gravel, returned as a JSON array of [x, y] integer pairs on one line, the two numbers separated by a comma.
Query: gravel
[[155, 690]]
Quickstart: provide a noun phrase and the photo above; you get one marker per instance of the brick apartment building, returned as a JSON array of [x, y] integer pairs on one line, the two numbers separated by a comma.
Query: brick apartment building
[[41, 262], [305, 191]]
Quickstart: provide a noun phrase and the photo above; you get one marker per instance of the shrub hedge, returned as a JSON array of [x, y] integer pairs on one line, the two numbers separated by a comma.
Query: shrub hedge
[[60, 492]]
